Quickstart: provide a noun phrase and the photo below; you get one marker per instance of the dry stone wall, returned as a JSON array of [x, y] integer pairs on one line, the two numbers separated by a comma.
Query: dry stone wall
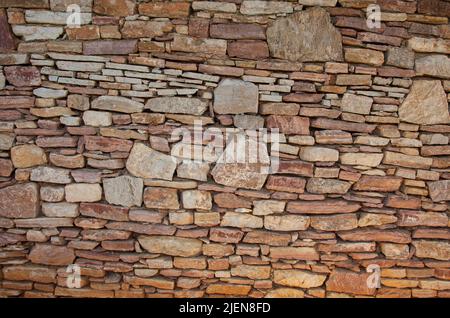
[[92, 176]]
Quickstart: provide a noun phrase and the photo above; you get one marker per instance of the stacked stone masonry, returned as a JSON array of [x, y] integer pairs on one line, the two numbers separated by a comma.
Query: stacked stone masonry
[[88, 174]]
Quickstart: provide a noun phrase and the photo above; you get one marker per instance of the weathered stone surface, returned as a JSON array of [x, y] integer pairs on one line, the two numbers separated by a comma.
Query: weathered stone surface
[[117, 104], [322, 207], [399, 159], [439, 190], [26, 156], [208, 46], [165, 9], [160, 198], [297, 253], [109, 47], [193, 170], [50, 175], [237, 31], [394, 236], [251, 7], [377, 183], [174, 246], [234, 96], [194, 199], [313, 24], [344, 281], [248, 49], [289, 124], [364, 56], [357, 104], [286, 222], [120, 8], [60, 210], [105, 144], [97, 119], [361, 159], [145, 162], [432, 249], [19, 201], [250, 174], [83, 192], [338, 222], [400, 57], [104, 211], [34, 273], [426, 104], [285, 293], [241, 220], [433, 65], [123, 190], [429, 45], [323, 186], [6, 167], [228, 289], [145, 29], [51, 255], [286, 184], [298, 278], [34, 32], [7, 40], [23, 75], [177, 105], [50, 17], [319, 154]]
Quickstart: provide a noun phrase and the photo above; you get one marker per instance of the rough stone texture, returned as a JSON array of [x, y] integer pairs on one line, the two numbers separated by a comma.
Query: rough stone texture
[[425, 104], [145, 162], [351, 124], [19, 201], [235, 97], [320, 41], [123, 190]]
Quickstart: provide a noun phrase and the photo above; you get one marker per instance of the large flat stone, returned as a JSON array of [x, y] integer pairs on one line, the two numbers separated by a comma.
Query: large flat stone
[[319, 40], [433, 65], [233, 96], [117, 104], [425, 104], [170, 245], [145, 162], [177, 105], [51, 255], [439, 190]]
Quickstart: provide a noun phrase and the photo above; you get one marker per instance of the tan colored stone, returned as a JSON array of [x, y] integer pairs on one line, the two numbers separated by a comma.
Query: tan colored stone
[[169, 245], [26, 156]]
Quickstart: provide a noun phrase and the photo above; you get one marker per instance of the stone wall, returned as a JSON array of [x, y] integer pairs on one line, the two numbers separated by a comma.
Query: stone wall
[[88, 174]]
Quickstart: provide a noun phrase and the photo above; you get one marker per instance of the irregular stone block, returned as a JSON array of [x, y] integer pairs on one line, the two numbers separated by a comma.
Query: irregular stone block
[[314, 24], [117, 104], [123, 190], [298, 278], [161, 198], [425, 104], [171, 245], [177, 105], [145, 162], [233, 96], [51, 255], [19, 201], [23, 75], [26, 156]]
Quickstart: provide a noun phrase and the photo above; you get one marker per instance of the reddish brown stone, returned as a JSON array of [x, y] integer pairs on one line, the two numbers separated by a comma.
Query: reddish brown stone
[[297, 167], [107, 144], [231, 201], [109, 47], [377, 183], [104, 211], [165, 9], [84, 32], [161, 198], [325, 123], [435, 150], [51, 255], [268, 238], [248, 49], [238, 31], [295, 125], [349, 282], [322, 207], [225, 235], [199, 27], [23, 75], [55, 142], [6, 167], [303, 98], [39, 274], [117, 8], [394, 236], [403, 202], [13, 102], [7, 39], [286, 184], [439, 8], [19, 201]]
